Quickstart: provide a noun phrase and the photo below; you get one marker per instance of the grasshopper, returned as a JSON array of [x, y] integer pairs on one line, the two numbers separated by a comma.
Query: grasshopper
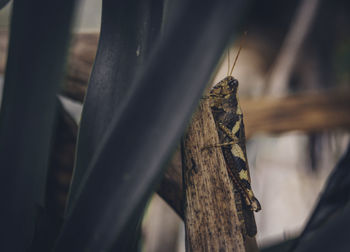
[[228, 118]]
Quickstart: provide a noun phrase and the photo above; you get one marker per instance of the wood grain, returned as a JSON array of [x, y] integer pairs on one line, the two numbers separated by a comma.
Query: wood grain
[[211, 220]]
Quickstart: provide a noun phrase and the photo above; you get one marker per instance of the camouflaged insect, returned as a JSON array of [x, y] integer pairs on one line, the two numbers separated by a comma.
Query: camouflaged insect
[[229, 122]]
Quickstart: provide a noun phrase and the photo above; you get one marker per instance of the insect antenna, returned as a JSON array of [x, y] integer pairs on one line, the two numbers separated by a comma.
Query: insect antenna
[[228, 60], [239, 51]]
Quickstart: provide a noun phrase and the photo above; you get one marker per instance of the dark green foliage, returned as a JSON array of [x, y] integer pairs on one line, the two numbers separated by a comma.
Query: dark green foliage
[[127, 27], [329, 226], [279, 247], [36, 58], [3, 3]]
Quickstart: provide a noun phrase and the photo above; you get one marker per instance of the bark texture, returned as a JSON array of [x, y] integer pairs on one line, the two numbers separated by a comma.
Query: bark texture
[[211, 220]]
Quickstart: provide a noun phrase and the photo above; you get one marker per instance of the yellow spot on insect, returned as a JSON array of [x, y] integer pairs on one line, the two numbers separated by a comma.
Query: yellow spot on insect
[[243, 174], [239, 111], [236, 127], [250, 193], [237, 152]]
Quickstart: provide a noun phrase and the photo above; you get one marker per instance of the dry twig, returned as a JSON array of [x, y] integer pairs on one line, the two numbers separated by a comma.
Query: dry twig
[[211, 218]]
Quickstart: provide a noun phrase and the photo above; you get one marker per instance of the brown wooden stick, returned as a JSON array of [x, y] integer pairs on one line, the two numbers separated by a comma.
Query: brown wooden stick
[[211, 220], [80, 60], [307, 113], [170, 188]]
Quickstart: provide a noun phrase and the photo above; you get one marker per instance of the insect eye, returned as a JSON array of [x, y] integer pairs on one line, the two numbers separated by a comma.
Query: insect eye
[[233, 83]]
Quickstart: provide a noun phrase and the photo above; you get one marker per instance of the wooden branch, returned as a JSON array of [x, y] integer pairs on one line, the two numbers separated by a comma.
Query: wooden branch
[[307, 113], [80, 61], [211, 219], [170, 188], [61, 162]]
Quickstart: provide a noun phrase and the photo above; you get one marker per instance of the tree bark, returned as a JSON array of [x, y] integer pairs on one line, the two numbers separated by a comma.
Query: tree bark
[[211, 220]]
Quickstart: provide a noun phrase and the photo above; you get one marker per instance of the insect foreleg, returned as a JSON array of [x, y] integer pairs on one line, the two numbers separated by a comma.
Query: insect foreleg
[[229, 133], [235, 141]]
